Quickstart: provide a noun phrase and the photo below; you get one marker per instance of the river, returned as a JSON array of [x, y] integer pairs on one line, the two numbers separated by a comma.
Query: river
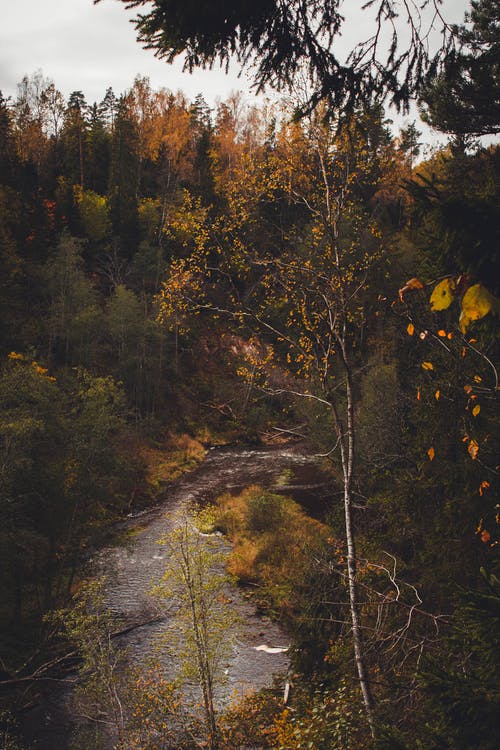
[[132, 568]]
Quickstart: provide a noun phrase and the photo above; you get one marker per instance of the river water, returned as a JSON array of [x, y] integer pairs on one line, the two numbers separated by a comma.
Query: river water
[[131, 570]]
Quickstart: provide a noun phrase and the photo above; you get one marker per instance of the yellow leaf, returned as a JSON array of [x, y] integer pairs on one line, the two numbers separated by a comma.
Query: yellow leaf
[[473, 449], [431, 453], [427, 365], [463, 322], [411, 329], [477, 378], [476, 410], [443, 294], [437, 395], [476, 303]]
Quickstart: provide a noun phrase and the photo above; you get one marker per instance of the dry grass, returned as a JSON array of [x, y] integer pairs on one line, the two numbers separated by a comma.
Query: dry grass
[[178, 455], [272, 539]]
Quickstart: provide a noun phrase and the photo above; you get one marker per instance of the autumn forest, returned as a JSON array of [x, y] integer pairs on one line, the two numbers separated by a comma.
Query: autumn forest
[[176, 278]]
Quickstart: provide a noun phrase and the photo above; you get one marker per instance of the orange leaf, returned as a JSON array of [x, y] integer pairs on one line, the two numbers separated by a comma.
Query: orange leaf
[[467, 388], [473, 449], [437, 395], [427, 366], [483, 486], [418, 394], [411, 284], [485, 536], [442, 333], [431, 453], [476, 410], [411, 329]]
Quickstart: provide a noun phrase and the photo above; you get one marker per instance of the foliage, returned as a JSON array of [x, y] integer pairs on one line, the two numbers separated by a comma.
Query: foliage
[[94, 214], [464, 690], [455, 214], [250, 721], [131, 707], [274, 544], [315, 717], [62, 478], [463, 97], [476, 301], [202, 632], [152, 249], [284, 40]]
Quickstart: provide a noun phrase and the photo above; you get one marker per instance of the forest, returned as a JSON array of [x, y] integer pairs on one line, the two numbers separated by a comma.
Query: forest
[[175, 277]]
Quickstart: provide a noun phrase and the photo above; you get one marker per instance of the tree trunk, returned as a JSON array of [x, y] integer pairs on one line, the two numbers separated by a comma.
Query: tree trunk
[[346, 441]]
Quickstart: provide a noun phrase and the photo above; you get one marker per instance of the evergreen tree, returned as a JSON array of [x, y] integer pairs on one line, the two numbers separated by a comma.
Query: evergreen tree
[[463, 97]]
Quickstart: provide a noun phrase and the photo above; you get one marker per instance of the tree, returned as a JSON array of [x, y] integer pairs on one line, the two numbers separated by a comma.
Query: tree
[[203, 625], [54, 103], [73, 312], [30, 118], [132, 707], [8, 160], [463, 97], [99, 150], [28, 425], [108, 108], [409, 145], [123, 176], [455, 213], [99, 699], [74, 136], [93, 471], [304, 299], [283, 39], [461, 690]]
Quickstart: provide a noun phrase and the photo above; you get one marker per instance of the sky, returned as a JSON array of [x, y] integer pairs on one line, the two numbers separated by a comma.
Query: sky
[[90, 47], [81, 46]]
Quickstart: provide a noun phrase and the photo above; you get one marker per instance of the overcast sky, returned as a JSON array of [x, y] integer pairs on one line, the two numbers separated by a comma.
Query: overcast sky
[[90, 47], [85, 47]]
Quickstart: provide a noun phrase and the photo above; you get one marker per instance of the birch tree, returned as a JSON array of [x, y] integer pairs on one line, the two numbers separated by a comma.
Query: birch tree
[[203, 628], [304, 296]]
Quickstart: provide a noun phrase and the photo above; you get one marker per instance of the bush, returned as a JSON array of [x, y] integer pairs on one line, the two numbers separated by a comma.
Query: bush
[[265, 512]]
